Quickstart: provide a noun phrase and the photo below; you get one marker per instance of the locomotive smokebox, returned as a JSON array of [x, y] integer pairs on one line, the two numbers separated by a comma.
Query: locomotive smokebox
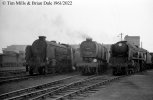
[[120, 48], [88, 39], [42, 38]]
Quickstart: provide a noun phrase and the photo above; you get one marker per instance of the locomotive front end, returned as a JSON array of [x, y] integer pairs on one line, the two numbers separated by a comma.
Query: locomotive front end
[[37, 62], [92, 54], [119, 56], [88, 54], [120, 49], [127, 58]]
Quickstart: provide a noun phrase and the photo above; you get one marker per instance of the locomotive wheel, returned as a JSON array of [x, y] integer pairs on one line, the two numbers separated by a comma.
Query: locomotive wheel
[[53, 70], [83, 71], [142, 67], [138, 67], [130, 71], [114, 71], [31, 71], [27, 68], [41, 70], [126, 72]]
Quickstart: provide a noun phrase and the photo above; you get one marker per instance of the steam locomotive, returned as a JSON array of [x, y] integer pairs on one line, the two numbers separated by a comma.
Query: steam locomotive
[[94, 57], [127, 58], [48, 57]]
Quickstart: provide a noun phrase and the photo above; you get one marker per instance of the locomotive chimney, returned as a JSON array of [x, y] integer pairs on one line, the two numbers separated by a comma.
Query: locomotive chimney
[[53, 41], [88, 39], [42, 38]]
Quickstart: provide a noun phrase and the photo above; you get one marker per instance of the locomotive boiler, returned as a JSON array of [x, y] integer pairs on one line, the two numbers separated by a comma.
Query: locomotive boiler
[[94, 57], [48, 57], [127, 58]]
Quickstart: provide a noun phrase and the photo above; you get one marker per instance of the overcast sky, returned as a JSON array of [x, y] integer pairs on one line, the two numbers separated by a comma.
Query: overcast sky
[[103, 20]]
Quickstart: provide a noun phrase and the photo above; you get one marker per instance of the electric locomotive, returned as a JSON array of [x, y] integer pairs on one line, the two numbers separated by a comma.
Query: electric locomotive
[[48, 57], [127, 58], [94, 57]]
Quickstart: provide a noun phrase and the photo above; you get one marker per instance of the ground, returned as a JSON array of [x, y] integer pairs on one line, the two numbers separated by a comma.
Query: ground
[[12, 86], [135, 87]]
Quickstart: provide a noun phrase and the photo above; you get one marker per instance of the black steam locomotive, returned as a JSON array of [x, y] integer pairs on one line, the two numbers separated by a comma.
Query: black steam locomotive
[[48, 57], [94, 57], [127, 58]]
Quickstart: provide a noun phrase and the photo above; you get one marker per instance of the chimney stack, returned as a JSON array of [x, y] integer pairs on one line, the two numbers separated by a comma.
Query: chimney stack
[[88, 39], [42, 38]]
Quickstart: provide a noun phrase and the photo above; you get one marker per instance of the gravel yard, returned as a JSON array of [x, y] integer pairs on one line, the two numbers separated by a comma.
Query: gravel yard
[[135, 87], [12, 86]]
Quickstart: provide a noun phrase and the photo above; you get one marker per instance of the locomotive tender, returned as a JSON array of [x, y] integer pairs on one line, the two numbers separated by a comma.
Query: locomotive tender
[[127, 58], [48, 57], [94, 57]]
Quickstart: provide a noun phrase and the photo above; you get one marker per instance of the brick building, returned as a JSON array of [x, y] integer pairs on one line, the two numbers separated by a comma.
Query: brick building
[[133, 39], [13, 56]]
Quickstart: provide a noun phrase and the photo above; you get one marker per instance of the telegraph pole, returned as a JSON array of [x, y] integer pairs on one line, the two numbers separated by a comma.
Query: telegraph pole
[[121, 34]]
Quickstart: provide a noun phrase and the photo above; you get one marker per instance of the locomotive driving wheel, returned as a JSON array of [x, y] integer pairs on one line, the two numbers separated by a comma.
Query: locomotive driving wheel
[[41, 70], [138, 67], [125, 71], [31, 71], [115, 71]]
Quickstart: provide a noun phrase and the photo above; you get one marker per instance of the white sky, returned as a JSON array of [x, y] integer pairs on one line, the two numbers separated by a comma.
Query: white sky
[[102, 20]]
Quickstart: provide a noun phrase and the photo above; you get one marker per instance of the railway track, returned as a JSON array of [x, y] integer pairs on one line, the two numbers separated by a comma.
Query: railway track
[[10, 77], [35, 91], [21, 77], [12, 72], [67, 88], [15, 78], [76, 88]]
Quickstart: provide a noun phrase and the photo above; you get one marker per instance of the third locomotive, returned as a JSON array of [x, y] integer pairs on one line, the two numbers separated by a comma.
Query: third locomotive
[[127, 58]]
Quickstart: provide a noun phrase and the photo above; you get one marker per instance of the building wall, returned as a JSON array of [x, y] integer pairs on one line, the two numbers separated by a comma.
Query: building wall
[[17, 50], [133, 39], [8, 60], [14, 48], [11, 60]]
